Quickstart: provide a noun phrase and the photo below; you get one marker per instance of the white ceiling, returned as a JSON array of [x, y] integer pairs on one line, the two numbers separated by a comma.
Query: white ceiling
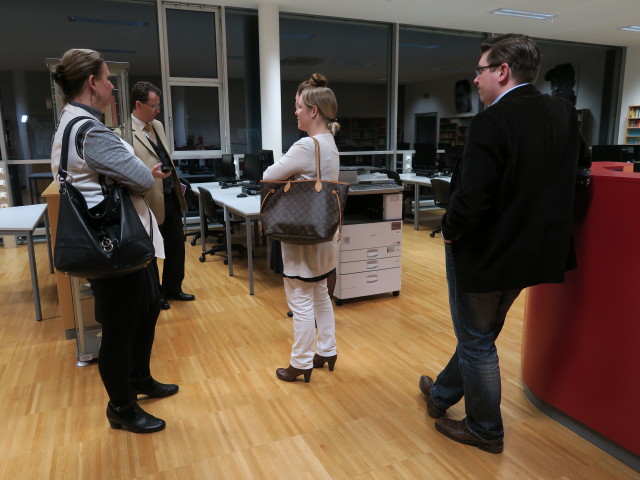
[[591, 21]]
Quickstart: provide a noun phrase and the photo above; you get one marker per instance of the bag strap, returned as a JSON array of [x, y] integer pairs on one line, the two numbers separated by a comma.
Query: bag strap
[[64, 154], [318, 178]]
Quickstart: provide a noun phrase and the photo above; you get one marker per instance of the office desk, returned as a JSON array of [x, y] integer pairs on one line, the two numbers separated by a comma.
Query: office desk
[[23, 221], [418, 181], [246, 207]]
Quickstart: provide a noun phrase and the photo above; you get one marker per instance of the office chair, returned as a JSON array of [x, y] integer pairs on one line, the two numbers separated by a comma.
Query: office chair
[[440, 198], [212, 211], [193, 210]]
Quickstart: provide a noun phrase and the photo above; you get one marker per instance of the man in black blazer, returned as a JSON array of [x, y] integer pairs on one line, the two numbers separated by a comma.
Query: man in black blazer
[[507, 227]]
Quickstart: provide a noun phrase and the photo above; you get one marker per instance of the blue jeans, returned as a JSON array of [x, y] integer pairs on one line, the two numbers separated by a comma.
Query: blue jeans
[[473, 371]]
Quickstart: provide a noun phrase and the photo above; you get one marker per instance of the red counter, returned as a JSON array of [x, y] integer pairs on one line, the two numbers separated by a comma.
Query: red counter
[[581, 340]]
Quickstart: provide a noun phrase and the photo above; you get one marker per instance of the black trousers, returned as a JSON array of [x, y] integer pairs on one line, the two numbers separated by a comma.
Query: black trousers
[[173, 235], [127, 308]]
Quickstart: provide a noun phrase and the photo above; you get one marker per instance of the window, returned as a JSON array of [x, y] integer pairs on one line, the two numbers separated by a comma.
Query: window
[[196, 121], [121, 31], [357, 72], [195, 80], [243, 80]]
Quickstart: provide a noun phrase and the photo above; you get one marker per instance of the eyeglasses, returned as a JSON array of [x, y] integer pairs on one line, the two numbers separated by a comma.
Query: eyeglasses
[[479, 70], [153, 107]]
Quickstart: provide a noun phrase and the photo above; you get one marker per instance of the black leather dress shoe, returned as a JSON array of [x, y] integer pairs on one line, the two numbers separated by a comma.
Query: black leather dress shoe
[[181, 296], [134, 419], [425, 385], [164, 305], [459, 431], [153, 389]]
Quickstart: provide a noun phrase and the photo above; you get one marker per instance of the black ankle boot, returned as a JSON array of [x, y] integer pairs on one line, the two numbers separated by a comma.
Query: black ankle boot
[[134, 419], [152, 388]]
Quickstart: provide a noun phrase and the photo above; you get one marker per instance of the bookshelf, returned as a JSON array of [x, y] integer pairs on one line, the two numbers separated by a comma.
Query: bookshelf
[[363, 133], [453, 131], [632, 134]]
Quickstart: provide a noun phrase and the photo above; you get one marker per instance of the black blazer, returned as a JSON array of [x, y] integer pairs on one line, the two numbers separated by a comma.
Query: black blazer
[[511, 206]]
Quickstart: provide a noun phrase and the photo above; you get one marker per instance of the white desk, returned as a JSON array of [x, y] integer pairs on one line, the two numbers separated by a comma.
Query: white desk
[[23, 221], [418, 181], [246, 207]]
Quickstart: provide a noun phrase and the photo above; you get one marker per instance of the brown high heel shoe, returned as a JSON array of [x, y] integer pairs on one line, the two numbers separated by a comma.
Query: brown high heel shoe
[[290, 374], [319, 361]]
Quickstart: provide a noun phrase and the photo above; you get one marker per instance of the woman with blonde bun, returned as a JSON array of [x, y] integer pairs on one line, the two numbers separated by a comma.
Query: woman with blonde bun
[[307, 267]]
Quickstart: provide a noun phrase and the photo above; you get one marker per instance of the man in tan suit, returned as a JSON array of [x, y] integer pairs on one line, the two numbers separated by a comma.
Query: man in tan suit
[[165, 198]]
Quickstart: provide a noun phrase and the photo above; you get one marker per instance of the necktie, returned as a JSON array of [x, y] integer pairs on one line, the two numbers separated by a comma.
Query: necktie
[[151, 134]]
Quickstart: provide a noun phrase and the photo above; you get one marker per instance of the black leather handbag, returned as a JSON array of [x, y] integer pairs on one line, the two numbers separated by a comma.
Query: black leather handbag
[[303, 212], [105, 241]]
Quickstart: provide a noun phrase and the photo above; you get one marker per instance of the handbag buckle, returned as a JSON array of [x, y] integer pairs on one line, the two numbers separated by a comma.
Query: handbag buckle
[[107, 245]]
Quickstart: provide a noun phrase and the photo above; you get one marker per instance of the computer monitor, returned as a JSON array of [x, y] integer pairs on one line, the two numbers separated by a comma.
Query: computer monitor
[[252, 170], [228, 169], [425, 158], [452, 155], [615, 153], [267, 159]]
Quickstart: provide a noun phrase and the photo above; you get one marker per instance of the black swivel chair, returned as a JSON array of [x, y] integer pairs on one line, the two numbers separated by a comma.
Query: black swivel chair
[[193, 210], [440, 198], [212, 212]]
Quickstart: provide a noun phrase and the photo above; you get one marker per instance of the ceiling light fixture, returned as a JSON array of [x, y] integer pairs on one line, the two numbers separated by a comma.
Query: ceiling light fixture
[[107, 21], [522, 14], [630, 28]]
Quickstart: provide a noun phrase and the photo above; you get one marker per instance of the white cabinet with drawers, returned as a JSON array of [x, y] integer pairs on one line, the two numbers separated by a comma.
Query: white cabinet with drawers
[[369, 258]]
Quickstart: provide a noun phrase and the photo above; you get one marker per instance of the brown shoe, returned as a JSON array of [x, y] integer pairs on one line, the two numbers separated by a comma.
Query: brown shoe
[[425, 385], [319, 361], [290, 374], [459, 431]]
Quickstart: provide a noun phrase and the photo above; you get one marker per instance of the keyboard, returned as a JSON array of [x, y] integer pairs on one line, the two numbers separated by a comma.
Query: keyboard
[[229, 182]]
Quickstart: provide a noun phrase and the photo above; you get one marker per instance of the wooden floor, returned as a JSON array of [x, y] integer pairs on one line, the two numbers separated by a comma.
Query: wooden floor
[[232, 418]]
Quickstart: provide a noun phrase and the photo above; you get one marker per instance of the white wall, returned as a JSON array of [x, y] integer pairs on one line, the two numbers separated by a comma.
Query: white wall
[[630, 88], [437, 96]]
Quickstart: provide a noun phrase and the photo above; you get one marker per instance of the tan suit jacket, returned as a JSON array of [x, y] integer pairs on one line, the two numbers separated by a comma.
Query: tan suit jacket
[[145, 152]]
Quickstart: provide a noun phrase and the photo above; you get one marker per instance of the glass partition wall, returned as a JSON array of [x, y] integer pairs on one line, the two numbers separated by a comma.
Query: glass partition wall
[[357, 72], [396, 85]]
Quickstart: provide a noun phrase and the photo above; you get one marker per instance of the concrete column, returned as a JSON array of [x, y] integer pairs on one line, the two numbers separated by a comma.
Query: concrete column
[[270, 102]]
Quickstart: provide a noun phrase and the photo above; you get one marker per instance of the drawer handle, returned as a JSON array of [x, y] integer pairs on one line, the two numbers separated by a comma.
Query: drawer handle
[[372, 253], [372, 278], [372, 264]]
